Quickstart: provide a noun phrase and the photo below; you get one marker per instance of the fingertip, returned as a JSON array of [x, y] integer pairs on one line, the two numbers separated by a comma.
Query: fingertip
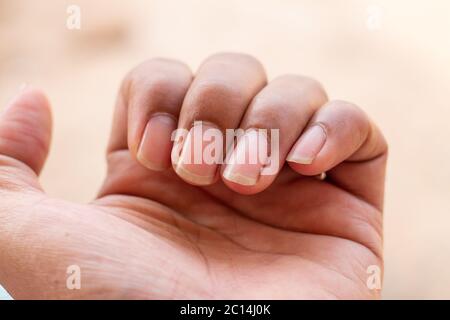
[[29, 96], [25, 127]]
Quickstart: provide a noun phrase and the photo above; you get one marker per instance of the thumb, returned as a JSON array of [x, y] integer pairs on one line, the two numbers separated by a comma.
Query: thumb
[[25, 131]]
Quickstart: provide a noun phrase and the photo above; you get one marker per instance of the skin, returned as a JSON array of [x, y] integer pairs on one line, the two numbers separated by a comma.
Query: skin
[[150, 234]]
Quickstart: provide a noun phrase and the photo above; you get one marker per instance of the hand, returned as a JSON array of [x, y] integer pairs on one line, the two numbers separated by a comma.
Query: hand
[[200, 230]]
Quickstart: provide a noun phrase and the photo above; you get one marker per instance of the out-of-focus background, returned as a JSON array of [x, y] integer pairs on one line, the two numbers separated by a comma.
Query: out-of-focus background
[[390, 57]]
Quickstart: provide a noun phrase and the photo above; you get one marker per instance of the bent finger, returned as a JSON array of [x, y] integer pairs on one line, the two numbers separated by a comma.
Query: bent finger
[[342, 140], [147, 111]]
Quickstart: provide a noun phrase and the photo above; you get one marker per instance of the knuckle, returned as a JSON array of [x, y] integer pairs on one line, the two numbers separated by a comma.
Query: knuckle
[[235, 57], [303, 81], [269, 119], [349, 115], [351, 112], [213, 93], [152, 91], [238, 61], [158, 85], [271, 110], [155, 71], [155, 64], [305, 85]]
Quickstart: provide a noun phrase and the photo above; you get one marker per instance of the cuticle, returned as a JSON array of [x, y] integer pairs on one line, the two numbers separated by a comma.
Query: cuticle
[[322, 125]]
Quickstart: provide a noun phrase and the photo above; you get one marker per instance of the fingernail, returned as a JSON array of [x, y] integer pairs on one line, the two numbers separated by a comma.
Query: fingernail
[[246, 161], [308, 146], [198, 162], [156, 143]]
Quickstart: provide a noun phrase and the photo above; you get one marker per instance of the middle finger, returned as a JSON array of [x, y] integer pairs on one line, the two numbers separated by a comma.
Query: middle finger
[[221, 91]]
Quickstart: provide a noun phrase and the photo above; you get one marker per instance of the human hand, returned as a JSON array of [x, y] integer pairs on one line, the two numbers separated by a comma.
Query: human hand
[[200, 230]]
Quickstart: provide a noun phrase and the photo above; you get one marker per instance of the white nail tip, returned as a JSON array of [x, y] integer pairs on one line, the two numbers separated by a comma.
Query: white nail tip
[[300, 160], [239, 179], [194, 178], [148, 164]]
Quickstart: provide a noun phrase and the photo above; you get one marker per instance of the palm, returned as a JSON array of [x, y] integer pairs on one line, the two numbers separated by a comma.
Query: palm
[[284, 242]]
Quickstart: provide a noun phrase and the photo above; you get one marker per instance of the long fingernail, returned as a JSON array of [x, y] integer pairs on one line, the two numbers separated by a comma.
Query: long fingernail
[[196, 164], [156, 143], [246, 161], [308, 146]]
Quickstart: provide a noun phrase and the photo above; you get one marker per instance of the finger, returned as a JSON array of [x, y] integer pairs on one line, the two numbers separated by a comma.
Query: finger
[[342, 140], [147, 110], [25, 132], [282, 109], [217, 99]]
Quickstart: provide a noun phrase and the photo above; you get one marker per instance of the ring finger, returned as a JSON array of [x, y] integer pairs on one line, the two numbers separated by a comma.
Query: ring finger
[[273, 122]]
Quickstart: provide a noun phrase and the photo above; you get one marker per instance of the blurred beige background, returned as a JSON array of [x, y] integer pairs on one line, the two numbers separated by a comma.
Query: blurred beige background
[[390, 57]]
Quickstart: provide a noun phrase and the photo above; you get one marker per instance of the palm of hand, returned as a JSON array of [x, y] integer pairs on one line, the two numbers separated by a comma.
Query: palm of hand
[[191, 242]]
